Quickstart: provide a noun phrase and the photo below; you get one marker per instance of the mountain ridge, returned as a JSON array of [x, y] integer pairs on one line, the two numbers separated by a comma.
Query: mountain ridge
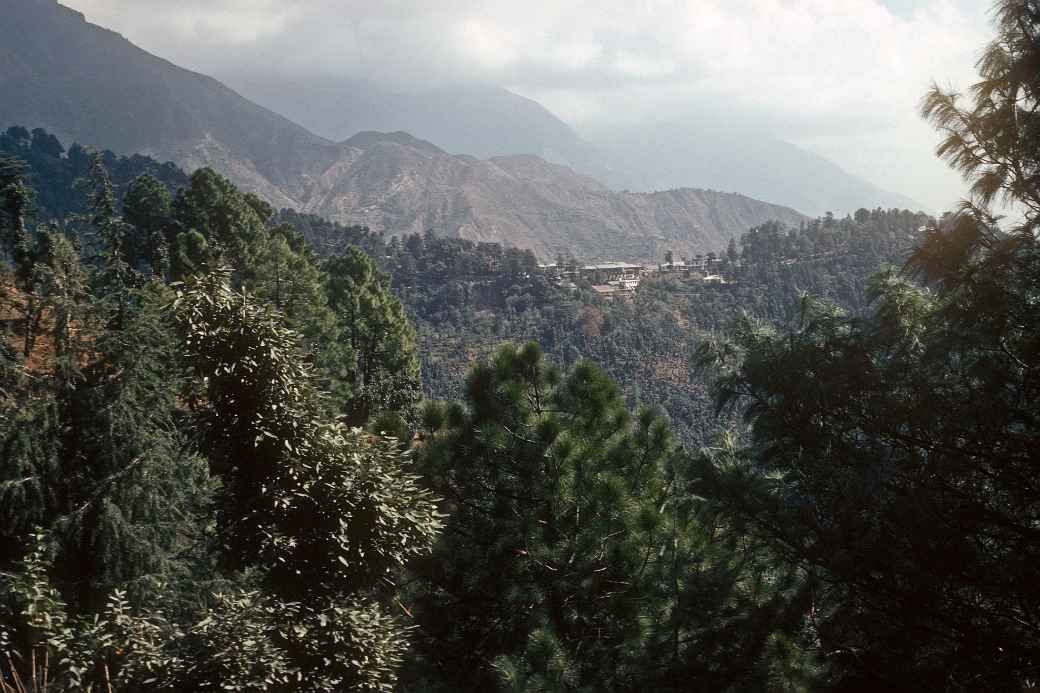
[[90, 85], [489, 121]]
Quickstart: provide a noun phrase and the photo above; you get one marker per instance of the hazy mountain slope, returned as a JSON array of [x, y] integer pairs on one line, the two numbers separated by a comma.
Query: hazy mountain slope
[[482, 121], [710, 154], [490, 121], [91, 85]]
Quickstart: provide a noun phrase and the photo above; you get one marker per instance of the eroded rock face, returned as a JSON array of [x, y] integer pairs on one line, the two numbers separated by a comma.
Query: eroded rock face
[[90, 85]]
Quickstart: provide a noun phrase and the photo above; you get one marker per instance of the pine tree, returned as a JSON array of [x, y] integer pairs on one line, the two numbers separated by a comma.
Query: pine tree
[[575, 557], [286, 273], [216, 225], [189, 457], [893, 456], [148, 208], [371, 358]]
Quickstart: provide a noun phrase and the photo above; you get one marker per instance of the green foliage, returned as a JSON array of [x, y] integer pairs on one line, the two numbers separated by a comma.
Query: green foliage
[[96, 455], [872, 526], [114, 648], [372, 351], [148, 208], [892, 454], [464, 301], [329, 238], [16, 198], [188, 457], [328, 515], [230, 223], [52, 172], [992, 142], [574, 557]]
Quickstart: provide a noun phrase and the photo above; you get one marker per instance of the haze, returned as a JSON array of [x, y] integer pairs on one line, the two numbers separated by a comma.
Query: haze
[[840, 78]]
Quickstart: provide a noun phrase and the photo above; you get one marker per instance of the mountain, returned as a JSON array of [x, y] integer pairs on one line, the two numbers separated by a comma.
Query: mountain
[[707, 152], [490, 121], [397, 184], [90, 85], [87, 84], [483, 121]]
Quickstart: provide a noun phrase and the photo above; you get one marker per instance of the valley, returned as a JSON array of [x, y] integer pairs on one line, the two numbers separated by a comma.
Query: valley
[[362, 369]]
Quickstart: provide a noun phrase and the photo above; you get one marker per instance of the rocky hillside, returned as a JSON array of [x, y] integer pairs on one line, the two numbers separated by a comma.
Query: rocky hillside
[[90, 85], [398, 184]]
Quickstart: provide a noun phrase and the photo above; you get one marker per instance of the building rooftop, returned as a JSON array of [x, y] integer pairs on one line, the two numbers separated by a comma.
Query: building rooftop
[[610, 265]]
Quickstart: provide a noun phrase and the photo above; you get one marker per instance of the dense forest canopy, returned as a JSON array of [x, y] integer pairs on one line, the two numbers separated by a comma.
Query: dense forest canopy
[[243, 449]]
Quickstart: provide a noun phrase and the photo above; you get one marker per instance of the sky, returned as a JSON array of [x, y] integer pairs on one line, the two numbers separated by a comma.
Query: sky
[[843, 78]]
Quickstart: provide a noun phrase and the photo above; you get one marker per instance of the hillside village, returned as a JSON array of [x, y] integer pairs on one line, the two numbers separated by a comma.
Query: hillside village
[[613, 279]]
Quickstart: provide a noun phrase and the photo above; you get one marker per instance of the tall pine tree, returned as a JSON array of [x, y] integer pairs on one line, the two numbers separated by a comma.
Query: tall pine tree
[[894, 456]]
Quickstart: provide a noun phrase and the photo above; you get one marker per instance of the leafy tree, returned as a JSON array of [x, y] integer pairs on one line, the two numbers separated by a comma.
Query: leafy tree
[[893, 455], [114, 650], [188, 457], [325, 514]]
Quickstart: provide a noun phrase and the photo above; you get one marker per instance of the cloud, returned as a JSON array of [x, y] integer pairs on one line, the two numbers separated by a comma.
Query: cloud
[[220, 23], [836, 75]]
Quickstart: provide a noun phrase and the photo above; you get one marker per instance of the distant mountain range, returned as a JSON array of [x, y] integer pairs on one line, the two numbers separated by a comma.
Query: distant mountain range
[[90, 85], [490, 121], [399, 184], [730, 158], [482, 121]]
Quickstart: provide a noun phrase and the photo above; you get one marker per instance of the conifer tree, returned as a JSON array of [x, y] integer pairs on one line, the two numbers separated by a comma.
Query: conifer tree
[[574, 557], [894, 456], [371, 358], [216, 224], [148, 208], [190, 457], [15, 199], [101, 464]]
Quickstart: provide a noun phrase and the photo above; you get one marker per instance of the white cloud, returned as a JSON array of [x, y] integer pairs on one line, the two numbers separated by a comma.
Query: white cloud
[[222, 22], [842, 76]]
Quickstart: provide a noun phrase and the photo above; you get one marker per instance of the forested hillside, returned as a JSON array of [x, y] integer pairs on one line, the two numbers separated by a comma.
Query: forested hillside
[[466, 298], [260, 451], [892, 455], [54, 174], [198, 492]]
